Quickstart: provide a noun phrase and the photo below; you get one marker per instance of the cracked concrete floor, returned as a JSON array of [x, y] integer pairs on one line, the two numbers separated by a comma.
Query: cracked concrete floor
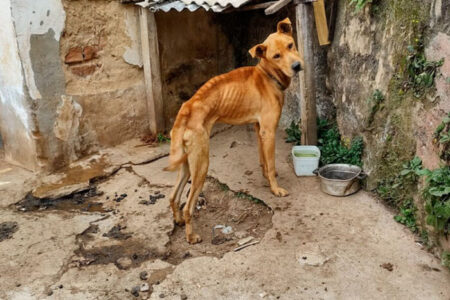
[[318, 247]]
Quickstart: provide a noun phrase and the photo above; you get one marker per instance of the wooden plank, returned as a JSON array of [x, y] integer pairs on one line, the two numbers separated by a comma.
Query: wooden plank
[[304, 15], [276, 6], [321, 22], [152, 72]]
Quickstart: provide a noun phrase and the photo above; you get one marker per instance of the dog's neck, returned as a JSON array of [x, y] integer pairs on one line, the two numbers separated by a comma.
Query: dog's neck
[[281, 80]]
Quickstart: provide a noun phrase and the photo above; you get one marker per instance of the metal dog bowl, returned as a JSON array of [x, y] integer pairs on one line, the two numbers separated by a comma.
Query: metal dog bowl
[[340, 179]]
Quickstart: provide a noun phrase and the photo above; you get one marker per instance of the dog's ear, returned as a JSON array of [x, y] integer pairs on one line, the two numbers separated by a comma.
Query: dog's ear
[[258, 51], [285, 26]]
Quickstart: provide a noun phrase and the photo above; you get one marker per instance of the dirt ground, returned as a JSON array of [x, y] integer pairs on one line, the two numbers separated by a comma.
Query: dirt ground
[[102, 229]]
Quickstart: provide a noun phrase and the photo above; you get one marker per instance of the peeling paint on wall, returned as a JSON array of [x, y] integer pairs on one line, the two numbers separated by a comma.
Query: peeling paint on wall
[[35, 17], [15, 117], [132, 53]]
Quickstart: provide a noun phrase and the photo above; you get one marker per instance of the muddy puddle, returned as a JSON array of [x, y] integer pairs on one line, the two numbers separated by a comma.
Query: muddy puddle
[[80, 201], [7, 230]]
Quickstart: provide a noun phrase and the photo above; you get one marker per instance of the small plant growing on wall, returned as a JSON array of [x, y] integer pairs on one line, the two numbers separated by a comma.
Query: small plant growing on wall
[[359, 4], [375, 101], [420, 72], [437, 196], [442, 138]]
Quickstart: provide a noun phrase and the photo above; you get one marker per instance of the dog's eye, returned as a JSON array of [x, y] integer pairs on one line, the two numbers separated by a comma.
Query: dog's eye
[[276, 56], [290, 45]]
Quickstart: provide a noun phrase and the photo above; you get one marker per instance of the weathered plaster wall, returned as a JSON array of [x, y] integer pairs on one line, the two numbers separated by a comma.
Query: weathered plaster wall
[[56, 107], [368, 53], [108, 81], [16, 125]]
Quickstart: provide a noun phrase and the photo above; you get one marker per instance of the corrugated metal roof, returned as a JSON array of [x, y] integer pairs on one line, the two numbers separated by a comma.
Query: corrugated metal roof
[[192, 5]]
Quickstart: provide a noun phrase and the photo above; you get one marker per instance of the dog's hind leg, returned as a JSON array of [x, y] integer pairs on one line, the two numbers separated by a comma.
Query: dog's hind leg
[[198, 160], [182, 179]]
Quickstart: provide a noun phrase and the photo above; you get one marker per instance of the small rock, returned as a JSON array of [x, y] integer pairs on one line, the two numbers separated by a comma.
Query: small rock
[[245, 240], [145, 287], [135, 291], [233, 144], [143, 275], [248, 172], [263, 294], [387, 266], [60, 286], [50, 293], [161, 295], [124, 262], [183, 297]]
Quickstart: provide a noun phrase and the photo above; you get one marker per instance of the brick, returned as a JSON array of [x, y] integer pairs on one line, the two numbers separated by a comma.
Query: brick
[[89, 53], [75, 55], [83, 71]]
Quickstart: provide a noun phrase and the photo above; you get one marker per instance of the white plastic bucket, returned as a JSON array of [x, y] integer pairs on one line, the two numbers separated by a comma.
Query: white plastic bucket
[[306, 160]]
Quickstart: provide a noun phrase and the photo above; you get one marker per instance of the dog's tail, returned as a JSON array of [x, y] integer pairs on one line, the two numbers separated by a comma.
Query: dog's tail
[[177, 154]]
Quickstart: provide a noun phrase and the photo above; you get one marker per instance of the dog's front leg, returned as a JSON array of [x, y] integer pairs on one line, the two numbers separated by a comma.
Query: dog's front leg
[[262, 161], [268, 145]]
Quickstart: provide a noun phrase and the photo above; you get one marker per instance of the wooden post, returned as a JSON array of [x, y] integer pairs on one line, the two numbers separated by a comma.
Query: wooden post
[[152, 72], [304, 14]]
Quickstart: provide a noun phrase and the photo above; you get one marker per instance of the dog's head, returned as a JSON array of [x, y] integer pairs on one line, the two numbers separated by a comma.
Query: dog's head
[[278, 51]]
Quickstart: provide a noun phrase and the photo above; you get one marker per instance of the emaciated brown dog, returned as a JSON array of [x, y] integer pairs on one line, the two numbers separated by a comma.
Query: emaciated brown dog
[[245, 95]]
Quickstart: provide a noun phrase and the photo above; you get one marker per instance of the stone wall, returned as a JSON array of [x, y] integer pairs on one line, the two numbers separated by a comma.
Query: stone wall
[[368, 53]]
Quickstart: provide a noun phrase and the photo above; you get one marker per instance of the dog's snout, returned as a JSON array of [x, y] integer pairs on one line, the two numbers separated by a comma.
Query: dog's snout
[[296, 66]]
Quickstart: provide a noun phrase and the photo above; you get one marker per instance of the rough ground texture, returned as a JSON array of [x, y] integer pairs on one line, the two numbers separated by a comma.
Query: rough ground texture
[[124, 245]]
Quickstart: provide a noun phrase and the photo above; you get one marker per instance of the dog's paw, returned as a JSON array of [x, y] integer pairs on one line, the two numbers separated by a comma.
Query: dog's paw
[[193, 238], [280, 192]]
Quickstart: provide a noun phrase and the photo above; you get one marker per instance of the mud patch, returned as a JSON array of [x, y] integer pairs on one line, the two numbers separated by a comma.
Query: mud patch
[[80, 201], [240, 215], [125, 255], [116, 233], [7, 229]]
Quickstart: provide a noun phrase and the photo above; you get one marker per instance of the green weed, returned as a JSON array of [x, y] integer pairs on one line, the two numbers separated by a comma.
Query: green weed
[[445, 259], [333, 150], [420, 72], [375, 103], [407, 215], [161, 138], [437, 196], [359, 4], [294, 134], [442, 137]]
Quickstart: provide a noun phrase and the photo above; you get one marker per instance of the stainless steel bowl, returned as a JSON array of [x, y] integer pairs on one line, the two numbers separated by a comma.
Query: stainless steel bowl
[[340, 179]]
